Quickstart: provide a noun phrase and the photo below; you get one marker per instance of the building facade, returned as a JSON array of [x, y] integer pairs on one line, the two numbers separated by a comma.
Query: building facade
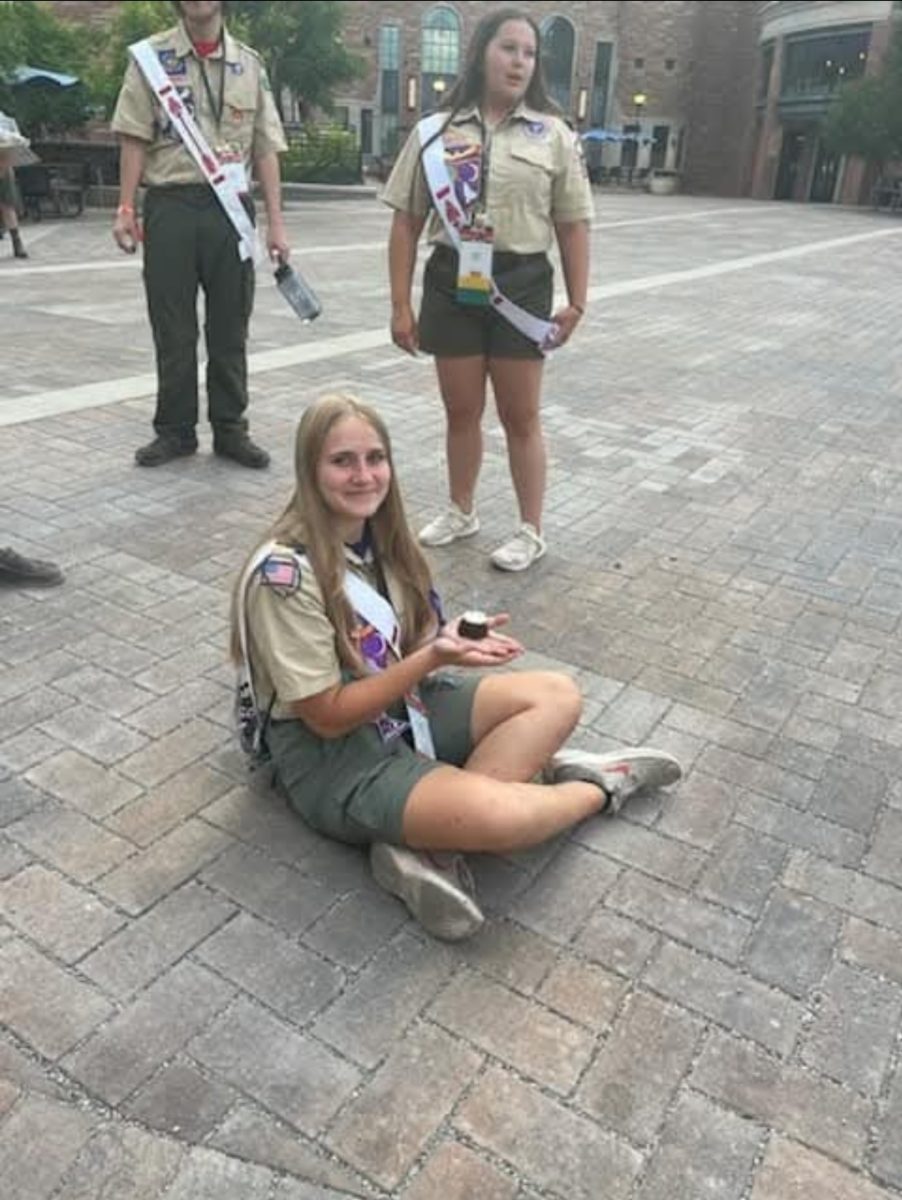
[[676, 77], [807, 50]]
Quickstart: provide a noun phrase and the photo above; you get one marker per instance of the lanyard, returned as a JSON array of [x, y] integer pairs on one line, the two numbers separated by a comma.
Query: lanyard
[[481, 206], [201, 62]]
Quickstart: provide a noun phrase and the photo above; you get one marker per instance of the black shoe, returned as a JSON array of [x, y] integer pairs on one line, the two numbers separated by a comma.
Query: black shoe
[[163, 450], [28, 572], [19, 250], [241, 450]]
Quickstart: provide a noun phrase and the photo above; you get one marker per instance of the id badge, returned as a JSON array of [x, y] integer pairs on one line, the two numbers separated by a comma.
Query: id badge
[[474, 275], [236, 175], [419, 725]]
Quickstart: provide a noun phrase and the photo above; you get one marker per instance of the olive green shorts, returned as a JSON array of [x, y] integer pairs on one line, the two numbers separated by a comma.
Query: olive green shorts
[[452, 330], [8, 197], [355, 788]]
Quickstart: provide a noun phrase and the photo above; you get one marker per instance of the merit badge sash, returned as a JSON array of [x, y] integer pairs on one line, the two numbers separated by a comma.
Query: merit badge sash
[[444, 197], [228, 180]]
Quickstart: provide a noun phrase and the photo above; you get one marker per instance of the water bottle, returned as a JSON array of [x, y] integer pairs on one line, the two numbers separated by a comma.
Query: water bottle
[[299, 294]]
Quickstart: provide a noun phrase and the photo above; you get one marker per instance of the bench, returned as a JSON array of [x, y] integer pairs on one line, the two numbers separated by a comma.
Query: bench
[[59, 189], [887, 193]]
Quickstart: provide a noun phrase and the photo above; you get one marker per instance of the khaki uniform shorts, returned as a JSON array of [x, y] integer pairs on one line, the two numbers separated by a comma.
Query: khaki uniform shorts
[[452, 330], [355, 788]]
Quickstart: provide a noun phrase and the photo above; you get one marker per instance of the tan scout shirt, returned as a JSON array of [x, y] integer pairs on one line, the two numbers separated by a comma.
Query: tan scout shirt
[[536, 177], [250, 125], [292, 642]]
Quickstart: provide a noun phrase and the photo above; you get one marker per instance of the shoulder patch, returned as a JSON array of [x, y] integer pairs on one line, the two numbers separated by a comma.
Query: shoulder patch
[[281, 571]]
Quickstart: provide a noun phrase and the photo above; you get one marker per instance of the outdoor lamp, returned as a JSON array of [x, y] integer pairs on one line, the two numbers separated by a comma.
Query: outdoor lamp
[[411, 92]]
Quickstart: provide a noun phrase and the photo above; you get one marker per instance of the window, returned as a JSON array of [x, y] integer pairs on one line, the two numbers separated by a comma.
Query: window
[[389, 68], [660, 139], [440, 54], [601, 80], [629, 147], [764, 71], [366, 131], [669, 64], [558, 40], [639, 63], [816, 66]]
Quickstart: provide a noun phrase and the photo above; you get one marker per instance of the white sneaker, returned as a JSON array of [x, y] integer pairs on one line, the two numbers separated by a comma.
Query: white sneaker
[[450, 525], [521, 551], [438, 892], [621, 775]]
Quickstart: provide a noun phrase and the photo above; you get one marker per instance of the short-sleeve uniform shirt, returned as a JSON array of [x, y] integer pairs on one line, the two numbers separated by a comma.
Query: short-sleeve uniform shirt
[[536, 177], [292, 646], [247, 128]]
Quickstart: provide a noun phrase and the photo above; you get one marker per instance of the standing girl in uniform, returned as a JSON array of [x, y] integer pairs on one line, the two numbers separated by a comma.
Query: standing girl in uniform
[[346, 700], [12, 144], [516, 170]]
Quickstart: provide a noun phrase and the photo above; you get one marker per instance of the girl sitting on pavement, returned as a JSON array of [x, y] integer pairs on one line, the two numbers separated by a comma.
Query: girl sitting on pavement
[[346, 651]]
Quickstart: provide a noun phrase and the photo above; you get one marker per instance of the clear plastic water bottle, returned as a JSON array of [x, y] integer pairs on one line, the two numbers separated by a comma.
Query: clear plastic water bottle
[[299, 294]]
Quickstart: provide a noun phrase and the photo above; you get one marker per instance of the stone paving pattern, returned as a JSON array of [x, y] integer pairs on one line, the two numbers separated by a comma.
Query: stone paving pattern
[[202, 999]]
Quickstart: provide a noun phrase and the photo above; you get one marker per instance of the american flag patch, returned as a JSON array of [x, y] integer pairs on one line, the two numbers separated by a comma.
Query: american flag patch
[[281, 571]]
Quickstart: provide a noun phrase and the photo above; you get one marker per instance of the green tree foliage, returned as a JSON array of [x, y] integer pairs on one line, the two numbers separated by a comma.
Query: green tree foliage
[[301, 44], [866, 120], [30, 34], [134, 20]]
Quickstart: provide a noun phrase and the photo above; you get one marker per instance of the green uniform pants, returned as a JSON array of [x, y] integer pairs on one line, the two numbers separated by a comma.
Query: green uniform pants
[[190, 242]]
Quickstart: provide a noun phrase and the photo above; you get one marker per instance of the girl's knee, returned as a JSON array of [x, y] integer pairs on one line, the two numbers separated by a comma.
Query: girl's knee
[[561, 693]]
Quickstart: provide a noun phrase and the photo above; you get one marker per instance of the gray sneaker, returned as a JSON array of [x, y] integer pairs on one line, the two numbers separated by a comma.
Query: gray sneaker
[[620, 775], [449, 526], [437, 890]]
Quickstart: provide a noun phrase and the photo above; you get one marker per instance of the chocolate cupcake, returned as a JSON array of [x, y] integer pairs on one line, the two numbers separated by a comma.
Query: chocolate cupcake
[[473, 625]]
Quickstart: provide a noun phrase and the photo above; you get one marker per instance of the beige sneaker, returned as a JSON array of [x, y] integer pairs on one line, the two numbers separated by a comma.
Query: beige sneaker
[[438, 890], [620, 775], [450, 525], [521, 551]]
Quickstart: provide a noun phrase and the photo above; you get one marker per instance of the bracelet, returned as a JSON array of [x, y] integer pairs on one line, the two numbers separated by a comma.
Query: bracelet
[[125, 210], [579, 308]]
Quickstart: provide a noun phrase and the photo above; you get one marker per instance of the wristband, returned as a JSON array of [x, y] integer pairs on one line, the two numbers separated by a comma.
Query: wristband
[[125, 210], [579, 308]]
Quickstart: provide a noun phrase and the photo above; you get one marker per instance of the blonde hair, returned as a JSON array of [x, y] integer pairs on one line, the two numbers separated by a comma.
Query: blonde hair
[[308, 521]]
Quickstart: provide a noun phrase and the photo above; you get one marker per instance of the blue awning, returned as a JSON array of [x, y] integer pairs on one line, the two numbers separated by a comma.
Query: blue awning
[[602, 135], [26, 75]]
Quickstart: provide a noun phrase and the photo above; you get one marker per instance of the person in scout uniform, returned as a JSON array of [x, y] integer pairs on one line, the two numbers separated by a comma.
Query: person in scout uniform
[[516, 181], [337, 625], [190, 239], [13, 147]]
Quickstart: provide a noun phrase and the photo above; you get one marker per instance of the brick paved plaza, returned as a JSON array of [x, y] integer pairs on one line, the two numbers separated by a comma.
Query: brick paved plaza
[[701, 1000]]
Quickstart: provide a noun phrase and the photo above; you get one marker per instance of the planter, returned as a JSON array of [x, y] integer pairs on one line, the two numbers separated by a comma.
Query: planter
[[664, 183]]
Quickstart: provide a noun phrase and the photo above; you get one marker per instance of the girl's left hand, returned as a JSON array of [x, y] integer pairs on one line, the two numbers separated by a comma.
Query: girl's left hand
[[494, 650], [565, 321]]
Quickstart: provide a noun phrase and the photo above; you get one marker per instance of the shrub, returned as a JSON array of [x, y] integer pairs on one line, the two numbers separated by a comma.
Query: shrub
[[321, 154]]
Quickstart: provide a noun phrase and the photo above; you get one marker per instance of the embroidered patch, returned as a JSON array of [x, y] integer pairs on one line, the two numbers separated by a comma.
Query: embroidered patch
[[464, 163], [236, 68], [374, 649], [172, 64], [281, 571], [536, 129]]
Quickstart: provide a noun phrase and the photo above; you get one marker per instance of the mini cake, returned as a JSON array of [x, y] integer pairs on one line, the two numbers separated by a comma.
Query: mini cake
[[473, 625]]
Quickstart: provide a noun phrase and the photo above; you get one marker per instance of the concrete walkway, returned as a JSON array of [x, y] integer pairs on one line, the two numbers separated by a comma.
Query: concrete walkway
[[199, 998]]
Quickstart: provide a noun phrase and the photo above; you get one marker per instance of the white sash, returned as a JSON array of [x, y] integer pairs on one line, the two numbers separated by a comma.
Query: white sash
[[366, 603], [441, 189], [216, 173]]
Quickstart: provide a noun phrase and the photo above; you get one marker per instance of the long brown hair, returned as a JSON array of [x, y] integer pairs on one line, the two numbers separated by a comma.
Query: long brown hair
[[308, 522], [470, 86]]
